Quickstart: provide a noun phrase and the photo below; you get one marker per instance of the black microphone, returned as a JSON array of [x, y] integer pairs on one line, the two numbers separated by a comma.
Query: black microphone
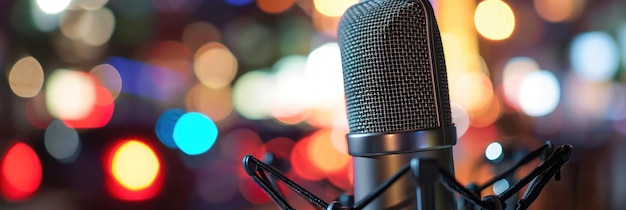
[[397, 99]]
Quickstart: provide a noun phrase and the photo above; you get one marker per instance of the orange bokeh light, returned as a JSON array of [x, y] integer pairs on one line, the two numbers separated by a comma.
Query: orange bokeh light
[[323, 153], [301, 162], [20, 172], [488, 115]]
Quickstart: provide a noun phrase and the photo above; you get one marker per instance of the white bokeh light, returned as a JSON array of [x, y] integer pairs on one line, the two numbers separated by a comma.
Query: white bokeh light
[[288, 99], [324, 75], [500, 186], [493, 151], [594, 56], [70, 95], [252, 95], [53, 6], [539, 93]]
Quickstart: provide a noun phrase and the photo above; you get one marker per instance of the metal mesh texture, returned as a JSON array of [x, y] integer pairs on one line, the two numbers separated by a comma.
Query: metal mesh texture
[[389, 83]]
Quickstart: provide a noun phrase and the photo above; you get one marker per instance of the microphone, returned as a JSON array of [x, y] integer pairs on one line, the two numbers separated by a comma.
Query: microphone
[[401, 131], [397, 100]]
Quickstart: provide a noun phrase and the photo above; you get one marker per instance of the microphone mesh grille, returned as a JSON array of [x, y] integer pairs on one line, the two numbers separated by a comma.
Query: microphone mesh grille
[[387, 67]]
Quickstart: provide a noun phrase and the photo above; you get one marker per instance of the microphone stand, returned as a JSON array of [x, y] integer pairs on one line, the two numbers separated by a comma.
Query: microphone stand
[[425, 173]]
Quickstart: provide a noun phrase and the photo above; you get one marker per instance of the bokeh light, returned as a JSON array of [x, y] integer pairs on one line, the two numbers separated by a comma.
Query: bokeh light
[[75, 24], [324, 74], [238, 2], [302, 163], [62, 142], [472, 90], [20, 171], [195, 133], [559, 10], [539, 93], [214, 65], [500, 186], [594, 56], [108, 77], [70, 94], [489, 113], [26, 77], [105, 21], [217, 104], [515, 70], [289, 105], [252, 94], [494, 151], [100, 114], [324, 155], [165, 125], [274, 6], [333, 8], [135, 165], [494, 19], [53, 6], [134, 170]]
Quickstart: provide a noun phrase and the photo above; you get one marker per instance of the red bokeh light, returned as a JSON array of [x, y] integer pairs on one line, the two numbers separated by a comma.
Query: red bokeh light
[[100, 114], [21, 172], [301, 162]]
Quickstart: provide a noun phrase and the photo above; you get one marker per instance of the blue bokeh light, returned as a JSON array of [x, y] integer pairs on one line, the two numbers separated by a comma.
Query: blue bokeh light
[[195, 133], [164, 128], [239, 2]]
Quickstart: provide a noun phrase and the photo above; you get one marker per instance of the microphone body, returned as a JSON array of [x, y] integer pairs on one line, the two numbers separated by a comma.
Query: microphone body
[[397, 100]]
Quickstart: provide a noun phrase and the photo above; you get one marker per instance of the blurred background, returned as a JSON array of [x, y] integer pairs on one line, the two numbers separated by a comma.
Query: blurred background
[[151, 104]]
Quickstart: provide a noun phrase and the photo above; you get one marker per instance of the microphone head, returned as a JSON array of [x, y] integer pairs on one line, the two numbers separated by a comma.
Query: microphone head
[[393, 67]]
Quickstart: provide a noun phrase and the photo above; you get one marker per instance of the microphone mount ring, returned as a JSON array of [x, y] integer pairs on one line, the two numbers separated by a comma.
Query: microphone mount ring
[[374, 144]]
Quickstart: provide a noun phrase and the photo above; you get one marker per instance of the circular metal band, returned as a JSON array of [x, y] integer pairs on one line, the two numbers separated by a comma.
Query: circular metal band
[[373, 144]]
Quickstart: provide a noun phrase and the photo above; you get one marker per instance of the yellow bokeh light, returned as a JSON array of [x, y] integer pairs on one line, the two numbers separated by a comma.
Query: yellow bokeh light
[[214, 65], [26, 77], [333, 8], [135, 166], [494, 19]]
